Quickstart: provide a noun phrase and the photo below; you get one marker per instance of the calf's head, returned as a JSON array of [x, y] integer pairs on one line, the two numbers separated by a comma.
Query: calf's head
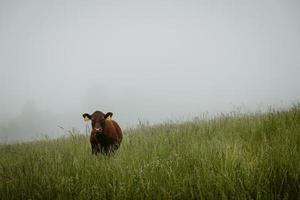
[[98, 120]]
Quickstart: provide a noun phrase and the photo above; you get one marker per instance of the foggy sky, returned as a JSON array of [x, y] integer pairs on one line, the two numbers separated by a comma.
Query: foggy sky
[[149, 60]]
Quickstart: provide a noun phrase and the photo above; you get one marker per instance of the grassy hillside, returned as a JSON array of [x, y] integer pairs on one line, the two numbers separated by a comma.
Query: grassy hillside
[[255, 156]]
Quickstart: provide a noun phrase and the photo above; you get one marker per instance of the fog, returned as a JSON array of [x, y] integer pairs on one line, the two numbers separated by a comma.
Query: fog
[[142, 60]]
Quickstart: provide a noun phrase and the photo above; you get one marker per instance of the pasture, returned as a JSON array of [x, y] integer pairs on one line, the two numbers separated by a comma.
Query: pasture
[[233, 156]]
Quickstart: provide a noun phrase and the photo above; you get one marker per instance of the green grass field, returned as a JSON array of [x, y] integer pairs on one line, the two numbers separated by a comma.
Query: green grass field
[[234, 156]]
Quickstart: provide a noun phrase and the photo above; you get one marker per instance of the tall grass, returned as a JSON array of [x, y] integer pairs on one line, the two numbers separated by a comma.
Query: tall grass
[[235, 156]]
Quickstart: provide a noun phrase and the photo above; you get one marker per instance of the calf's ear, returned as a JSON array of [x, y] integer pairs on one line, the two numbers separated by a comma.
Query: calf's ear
[[108, 115], [86, 117]]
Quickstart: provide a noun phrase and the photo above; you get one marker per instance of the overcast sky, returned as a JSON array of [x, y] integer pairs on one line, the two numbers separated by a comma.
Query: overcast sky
[[150, 60]]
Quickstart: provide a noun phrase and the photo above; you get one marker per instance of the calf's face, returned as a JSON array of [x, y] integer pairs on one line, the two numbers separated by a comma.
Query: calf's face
[[98, 120]]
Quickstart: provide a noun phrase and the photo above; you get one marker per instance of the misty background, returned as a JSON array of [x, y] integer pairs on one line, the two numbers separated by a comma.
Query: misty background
[[143, 60]]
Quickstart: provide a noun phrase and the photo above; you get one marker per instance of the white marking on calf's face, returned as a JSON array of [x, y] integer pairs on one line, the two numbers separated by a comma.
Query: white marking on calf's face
[[108, 118], [86, 118], [98, 129]]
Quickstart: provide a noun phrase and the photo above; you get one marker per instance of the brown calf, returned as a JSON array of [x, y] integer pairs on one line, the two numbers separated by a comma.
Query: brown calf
[[106, 134]]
